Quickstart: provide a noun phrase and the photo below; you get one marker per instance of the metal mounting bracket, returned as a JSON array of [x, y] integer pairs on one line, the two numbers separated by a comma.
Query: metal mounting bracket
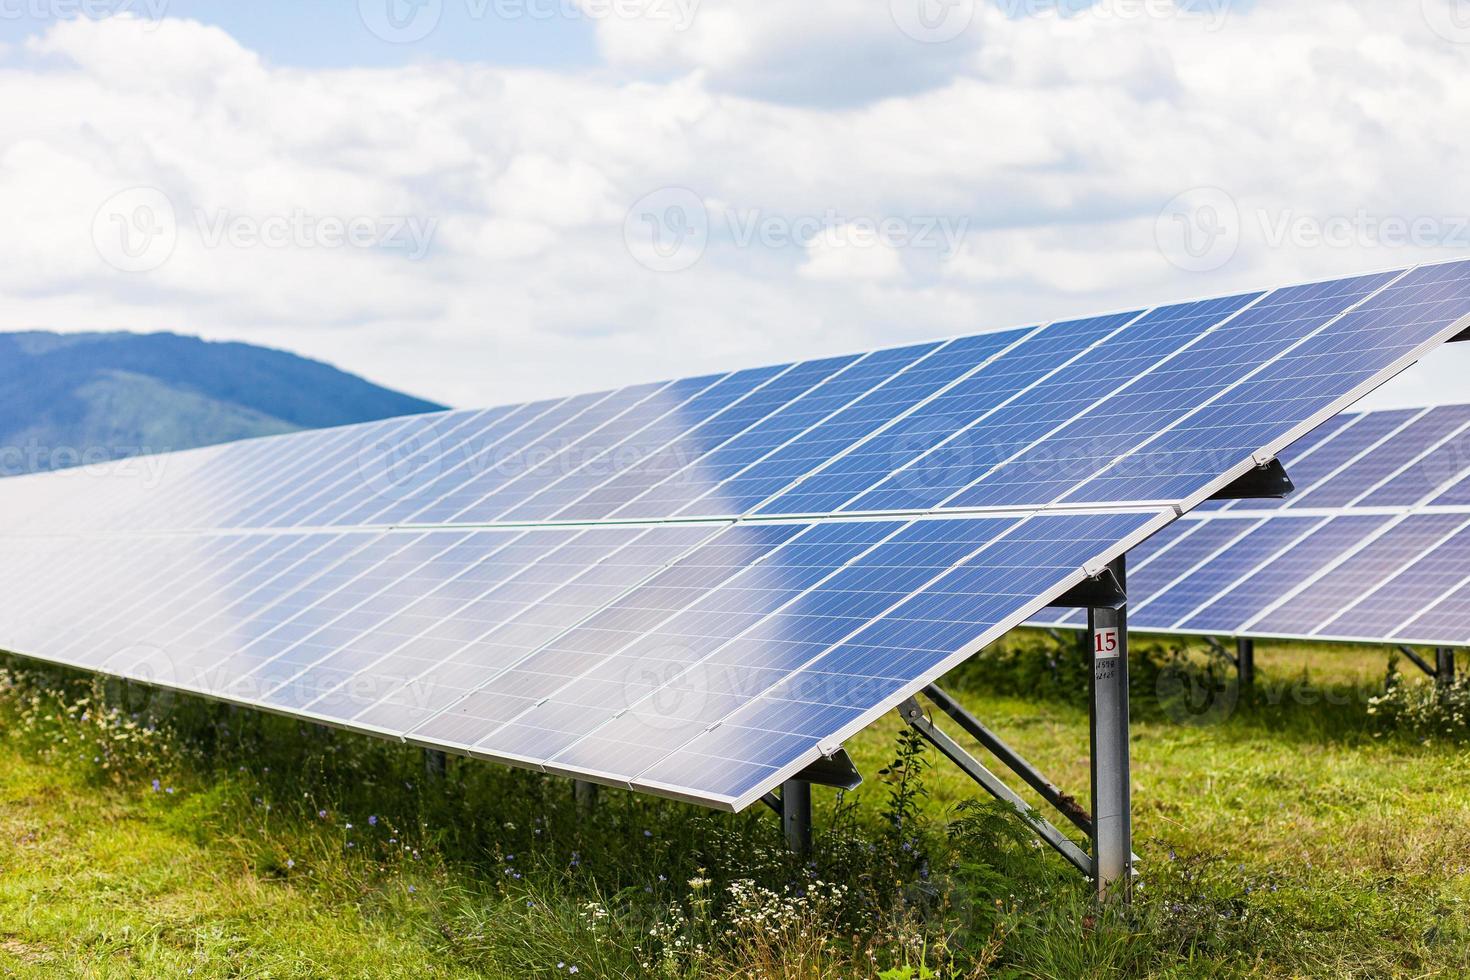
[[913, 714], [1265, 481], [1100, 591]]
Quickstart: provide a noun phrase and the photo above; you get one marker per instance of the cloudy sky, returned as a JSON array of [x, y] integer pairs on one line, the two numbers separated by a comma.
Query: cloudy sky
[[480, 201]]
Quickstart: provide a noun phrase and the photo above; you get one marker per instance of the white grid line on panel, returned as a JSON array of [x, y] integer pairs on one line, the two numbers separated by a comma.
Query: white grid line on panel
[[1357, 457], [425, 674], [811, 660], [550, 439], [732, 581], [1315, 420], [913, 409], [975, 423]]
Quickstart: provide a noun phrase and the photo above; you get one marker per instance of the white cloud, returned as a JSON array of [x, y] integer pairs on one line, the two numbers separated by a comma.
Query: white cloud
[[1052, 143]]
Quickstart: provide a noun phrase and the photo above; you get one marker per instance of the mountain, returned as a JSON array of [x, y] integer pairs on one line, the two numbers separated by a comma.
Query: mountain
[[68, 398]]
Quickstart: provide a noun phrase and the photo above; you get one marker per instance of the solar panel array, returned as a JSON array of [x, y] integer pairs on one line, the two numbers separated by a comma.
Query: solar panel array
[[1373, 547], [693, 588]]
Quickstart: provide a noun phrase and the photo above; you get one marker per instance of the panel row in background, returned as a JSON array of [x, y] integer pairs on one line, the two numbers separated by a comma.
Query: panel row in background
[[1138, 406], [1374, 546], [702, 661]]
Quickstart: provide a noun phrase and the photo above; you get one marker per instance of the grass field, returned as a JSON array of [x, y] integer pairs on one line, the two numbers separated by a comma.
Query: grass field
[[1306, 833]]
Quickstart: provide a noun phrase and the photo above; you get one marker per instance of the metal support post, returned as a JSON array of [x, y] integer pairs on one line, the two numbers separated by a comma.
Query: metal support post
[[796, 816], [436, 764], [1112, 822], [914, 715], [1245, 663], [1417, 660], [1444, 666], [1065, 803], [584, 794]]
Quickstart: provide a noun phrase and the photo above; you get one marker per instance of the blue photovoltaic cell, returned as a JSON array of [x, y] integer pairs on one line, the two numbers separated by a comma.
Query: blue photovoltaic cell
[[838, 687], [726, 481], [649, 636], [537, 465], [497, 462], [1107, 405], [1406, 436], [1426, 579], [1296, 456], [1346, 353], [478, 580], [1448, 619], [1268, 563], [1437, 467], [1254, 545], [843, 440], [655, 488], [639, 435], [1389, 459], [1309, 469], [723, 660], [1307, 610], [942, 446], [1150, 585]]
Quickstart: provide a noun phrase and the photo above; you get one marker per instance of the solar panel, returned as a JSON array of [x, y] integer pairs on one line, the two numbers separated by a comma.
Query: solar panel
[[696, 588], [1372, 547]]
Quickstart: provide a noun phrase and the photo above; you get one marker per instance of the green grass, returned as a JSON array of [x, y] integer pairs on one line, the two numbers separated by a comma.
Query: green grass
[[1296, 835]]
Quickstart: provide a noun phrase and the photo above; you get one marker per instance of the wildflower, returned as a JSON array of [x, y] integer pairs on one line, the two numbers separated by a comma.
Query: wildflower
[[412, 889], [572, 968], [349, 826], [372, 821], [169, 791], [321, 814], [648, 833], [155, 786], [290, 863]]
